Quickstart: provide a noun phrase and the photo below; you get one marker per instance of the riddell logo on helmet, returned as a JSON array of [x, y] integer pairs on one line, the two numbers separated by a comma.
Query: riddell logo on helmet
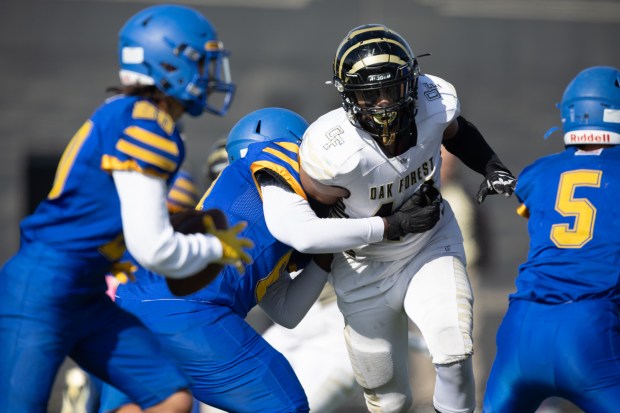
[[379, 77], [590, 138]]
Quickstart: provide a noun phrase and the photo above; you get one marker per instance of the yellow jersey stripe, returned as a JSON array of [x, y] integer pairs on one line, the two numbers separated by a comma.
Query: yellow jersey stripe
[[282, 172], [293, 147], [152, 139], [110, 163], [144, 110], [186, 184], [264, 283], [68, 158], [282, 156], [181, 197], [146, 155]]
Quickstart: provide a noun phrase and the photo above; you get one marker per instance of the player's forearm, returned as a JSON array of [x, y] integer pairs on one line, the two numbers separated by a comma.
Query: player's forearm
[[291, 220], [288, 300], [149, 237], [472, 149]]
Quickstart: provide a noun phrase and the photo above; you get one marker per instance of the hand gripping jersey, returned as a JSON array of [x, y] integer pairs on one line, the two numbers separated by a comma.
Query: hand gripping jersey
[[336, 153], [574, 227], [81, 214], [237, 193]]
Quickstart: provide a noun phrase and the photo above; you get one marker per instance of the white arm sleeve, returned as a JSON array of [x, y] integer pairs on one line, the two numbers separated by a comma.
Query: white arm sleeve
[[149, 236], [288, 300], [291, 221]]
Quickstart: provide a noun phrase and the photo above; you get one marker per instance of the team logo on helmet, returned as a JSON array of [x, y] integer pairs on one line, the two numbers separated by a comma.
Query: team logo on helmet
[[379, 77]]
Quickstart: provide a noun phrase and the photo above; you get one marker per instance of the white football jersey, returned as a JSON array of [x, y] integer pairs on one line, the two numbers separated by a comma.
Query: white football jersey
[[336, 153]]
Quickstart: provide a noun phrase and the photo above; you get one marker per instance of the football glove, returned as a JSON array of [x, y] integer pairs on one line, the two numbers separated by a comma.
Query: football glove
[[497, 182], [418, 214], [232, 244]]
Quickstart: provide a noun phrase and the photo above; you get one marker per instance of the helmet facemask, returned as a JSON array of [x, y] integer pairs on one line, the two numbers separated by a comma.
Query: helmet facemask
[[376, 75], [384, 109], [211, 89]]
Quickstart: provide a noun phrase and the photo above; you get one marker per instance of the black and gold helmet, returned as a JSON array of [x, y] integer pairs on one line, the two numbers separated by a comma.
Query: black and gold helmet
[[376, 73], [216, 161]]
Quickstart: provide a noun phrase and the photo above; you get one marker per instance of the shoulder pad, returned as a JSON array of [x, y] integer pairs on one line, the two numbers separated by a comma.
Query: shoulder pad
[[145, 110], [330, 148], [437, 98]]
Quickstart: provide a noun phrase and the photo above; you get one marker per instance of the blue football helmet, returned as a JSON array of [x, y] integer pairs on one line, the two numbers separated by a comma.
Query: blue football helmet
[[590, 104], [176, 49], [268, 124]]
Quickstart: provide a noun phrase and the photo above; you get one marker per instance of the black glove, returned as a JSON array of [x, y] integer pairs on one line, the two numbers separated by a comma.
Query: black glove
[[418, 214], [497, 182]]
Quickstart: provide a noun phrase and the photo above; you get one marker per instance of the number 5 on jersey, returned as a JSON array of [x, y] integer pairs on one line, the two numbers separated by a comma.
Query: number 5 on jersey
[[562, 235]]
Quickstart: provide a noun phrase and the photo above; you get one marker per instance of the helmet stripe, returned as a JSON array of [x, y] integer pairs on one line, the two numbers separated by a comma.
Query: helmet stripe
[[377, 40], [372, 60], [354, 33]]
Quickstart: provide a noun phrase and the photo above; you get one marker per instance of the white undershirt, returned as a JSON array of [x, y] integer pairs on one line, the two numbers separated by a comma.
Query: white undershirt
[[291, 220], [149, 236], [288, 300]]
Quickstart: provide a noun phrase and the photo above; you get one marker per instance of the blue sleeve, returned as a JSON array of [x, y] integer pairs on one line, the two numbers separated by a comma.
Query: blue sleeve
[[281, 159]]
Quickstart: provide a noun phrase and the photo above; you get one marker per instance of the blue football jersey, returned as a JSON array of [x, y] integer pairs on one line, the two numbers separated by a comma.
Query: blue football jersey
[[237, 193], [81, 214], [572, 201]]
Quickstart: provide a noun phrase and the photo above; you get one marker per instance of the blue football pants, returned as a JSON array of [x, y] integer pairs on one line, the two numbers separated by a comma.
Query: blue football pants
[[568, 350]]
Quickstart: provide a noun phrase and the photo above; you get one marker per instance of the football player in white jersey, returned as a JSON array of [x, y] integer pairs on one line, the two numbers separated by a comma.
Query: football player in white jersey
[[366, 159]]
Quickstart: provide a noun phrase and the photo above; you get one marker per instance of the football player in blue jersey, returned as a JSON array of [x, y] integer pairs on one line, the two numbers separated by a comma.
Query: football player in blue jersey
[[108, 195], [561, 334], [233, 368], [83, 391]]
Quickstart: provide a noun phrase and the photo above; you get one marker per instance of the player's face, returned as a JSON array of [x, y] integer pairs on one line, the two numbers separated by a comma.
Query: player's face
[[381, 97]]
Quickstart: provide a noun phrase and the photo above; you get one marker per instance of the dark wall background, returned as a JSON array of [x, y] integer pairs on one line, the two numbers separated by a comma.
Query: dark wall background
[[508, 59]]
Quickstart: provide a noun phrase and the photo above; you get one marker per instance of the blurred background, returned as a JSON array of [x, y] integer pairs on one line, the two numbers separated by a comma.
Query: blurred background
[[508, 59]]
